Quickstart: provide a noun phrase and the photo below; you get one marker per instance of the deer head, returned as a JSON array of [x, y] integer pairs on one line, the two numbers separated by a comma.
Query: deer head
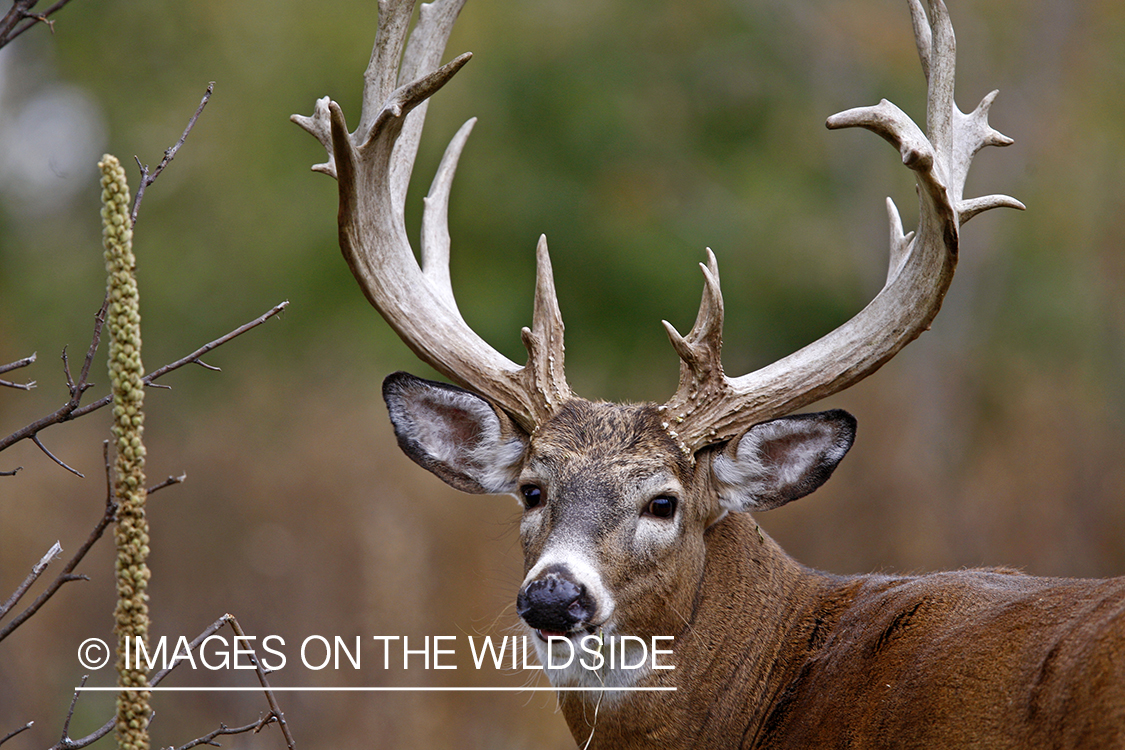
[[620, 501], [615, 509]]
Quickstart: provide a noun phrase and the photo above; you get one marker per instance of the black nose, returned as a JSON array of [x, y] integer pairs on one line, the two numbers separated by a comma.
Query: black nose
[[554, 604]]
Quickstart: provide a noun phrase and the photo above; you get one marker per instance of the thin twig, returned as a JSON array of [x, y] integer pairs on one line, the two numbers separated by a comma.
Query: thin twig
[[76, 390], [18, 386], [95, 341], [15, 366], [67, 574], [35, 439], [68, 744], [108, 474], [18, 363], [70, 711], [30, 19], [20, 10], [209, 739], [146, 178], [167, 483], [14, 732], [265, 686], [210, 630], [71, 410], [194, 356], [36, 571], [70, 384]]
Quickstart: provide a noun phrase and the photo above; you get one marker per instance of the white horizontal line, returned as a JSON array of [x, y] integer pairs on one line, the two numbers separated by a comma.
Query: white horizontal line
[[228, 689]]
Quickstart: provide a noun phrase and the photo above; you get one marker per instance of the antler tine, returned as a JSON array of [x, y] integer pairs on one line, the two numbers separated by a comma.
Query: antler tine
[[373, 167], [380, 80], [923, 39], [435, 218], [544, 374], [382, 75], [701, 365], [710, 407], [423, 52]]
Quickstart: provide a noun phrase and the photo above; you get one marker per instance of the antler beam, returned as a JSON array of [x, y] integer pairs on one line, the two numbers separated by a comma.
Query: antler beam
[[373, 167], [709, 407]]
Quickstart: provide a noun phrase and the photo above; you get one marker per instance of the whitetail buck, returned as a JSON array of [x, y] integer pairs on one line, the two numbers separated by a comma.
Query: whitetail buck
[[635, 516]]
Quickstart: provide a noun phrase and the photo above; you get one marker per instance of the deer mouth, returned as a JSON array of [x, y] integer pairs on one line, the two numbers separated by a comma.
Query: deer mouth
[[544, 635]]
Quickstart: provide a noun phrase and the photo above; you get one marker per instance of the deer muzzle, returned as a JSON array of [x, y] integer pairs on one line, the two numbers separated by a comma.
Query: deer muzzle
[[555, 604]]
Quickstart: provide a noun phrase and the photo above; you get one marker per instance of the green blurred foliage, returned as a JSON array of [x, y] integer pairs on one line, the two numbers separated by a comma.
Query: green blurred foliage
[[632, 136], [632, 145]]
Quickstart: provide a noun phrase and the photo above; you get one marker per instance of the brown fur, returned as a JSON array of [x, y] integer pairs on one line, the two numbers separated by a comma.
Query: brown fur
[[768, 653], [779, 656], [774, 655]]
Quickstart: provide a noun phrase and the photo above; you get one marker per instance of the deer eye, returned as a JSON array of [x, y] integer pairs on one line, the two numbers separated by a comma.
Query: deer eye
[[532, 496], [662, 506]]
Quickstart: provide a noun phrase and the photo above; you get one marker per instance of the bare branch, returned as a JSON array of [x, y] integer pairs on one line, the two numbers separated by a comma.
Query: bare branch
[[14, 732], [67, 574], [15, 366], [83, 383], [265, 686], [10, 26], [71, 409], [65, 743], [70, 384], [76, 389], [146, 178], [68, 744], [35, 439], [208, 739], [194, 356], [108, 473], [18, 364], [36, 571], [20, 10], [208, 631], [167, 483], [73, 703], [18, 386]]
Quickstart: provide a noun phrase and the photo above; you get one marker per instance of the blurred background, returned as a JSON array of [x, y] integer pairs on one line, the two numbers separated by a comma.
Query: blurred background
[[633, 134]]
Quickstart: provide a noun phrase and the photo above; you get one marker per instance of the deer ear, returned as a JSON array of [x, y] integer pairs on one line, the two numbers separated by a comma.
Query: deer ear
[[456, 434], [776, 462]]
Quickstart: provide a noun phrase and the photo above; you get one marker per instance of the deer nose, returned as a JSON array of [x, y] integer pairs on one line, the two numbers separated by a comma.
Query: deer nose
[[554, 605]]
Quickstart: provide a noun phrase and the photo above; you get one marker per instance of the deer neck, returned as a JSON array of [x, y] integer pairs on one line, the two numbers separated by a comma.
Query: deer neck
[[751, 601]]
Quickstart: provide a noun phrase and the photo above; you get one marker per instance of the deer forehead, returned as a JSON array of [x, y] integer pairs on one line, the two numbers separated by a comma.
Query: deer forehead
[[597, 443]]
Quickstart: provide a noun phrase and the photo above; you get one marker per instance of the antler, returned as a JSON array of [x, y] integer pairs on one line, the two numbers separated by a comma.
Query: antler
[[710, 407], [373, 166]]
